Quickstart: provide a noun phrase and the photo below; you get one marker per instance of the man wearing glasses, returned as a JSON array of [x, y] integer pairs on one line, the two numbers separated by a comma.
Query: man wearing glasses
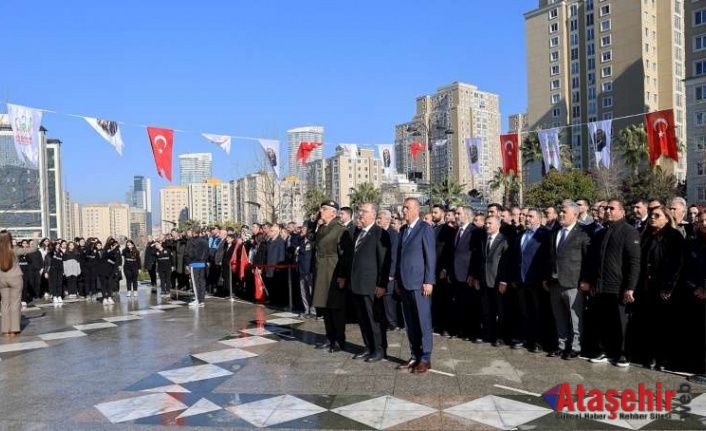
[[617, 262]]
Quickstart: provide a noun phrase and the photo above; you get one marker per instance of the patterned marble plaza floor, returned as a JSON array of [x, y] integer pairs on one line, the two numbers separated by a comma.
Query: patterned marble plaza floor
[[150, 365]]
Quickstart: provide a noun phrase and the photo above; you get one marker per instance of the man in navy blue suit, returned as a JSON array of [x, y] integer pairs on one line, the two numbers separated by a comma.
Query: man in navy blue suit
[[416, 263]]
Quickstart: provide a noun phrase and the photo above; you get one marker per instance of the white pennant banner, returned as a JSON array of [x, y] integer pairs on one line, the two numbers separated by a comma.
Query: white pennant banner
[[600, 133], [475, 153], [387, 154], [25, 124], [350, 149], [109, 130], [549, 144], [271, 149], [222, 141]]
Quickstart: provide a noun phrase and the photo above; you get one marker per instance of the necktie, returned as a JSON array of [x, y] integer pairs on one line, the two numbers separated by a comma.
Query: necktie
[[360, 238], [525, 238], [459, 234], [407, 232], [490, 244], [562, 237]]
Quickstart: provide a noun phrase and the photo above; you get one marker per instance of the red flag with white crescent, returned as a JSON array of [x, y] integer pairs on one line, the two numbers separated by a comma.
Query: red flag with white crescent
[[415, 148], [661, 139], [509, 148], [162, 141], [305, 149]]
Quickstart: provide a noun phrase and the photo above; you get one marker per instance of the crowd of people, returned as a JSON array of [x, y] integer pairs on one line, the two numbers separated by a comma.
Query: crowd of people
[[607, 282]]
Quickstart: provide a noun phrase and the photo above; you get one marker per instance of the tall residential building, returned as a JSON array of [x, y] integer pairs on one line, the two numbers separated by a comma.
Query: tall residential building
[[594, 60], [194, 168], [106, 220], [27, 205], [70, 222], [210, 202], [138, 225], [141, 197], [291, 199], [173, 206], [344, 172], [517, 123], [297, 136], [77, 224], [695, 66], [442, 122], [255, 200]]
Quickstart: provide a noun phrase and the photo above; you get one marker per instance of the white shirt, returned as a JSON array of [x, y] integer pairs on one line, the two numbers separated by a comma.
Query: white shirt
[[566, 235]]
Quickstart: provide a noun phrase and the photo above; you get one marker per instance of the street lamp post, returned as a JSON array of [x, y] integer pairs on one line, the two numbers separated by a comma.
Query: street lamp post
[[420, 128]]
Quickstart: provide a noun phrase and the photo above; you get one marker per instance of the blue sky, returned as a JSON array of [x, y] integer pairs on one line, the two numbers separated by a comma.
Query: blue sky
[[246, 68]]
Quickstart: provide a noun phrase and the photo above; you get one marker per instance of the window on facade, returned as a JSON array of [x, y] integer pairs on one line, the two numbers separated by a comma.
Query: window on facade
[[699, 17], [574, 25], [553, 27], [575, 111], [556, 112], [574, 53], [554, 70], [553, 13], [591, 63], [699, 42], [554, 41], [554, 84], [554, 56], [700, 168], [606, 72], [575, 82], [575, 68], [605, 25], [574, 39], [591, 93], [555, 98], [607, 102], [590, 34], [699, 119], [606, 56], [606, 40], [607, 115], [700, 92], [607, 86], [589, 19], [700, 67], [605, 10]]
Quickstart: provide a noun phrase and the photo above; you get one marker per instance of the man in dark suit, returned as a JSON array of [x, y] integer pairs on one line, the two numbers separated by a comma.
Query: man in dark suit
[[369, 276], [275, 256], [416, 261], [346, 215], [442, 299], [466, 305], [391, 302], [639, 211], [490, 279], [568, 284], [529, 270]]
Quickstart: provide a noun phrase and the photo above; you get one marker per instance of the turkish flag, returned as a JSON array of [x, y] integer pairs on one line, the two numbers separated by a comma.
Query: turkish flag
[[415, 148], [661, 139], [162, 141], [305, 149], [509, 148], [260, 289]]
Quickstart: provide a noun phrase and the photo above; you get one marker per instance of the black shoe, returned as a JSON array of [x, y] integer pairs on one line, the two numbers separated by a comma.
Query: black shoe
[[517, 345], [554, 353], [334, 348], [568, 355], [478, 341], [365, 354], [600, 359], [536, 348], [343, 347], [325, 345], [375, 357], [622, 362]]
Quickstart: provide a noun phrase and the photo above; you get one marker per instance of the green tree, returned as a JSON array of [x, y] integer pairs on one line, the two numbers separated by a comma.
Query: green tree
[[650, 184], [510, 185], [447, 192], [312, 200], [559, 185], [365, 193], [631, 145]]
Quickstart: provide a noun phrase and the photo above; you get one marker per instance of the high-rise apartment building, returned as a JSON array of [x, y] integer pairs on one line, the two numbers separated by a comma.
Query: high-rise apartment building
[[296, 137], [291, 198], [27, 204], [602, 59], [141, 197], [138, 225], [70, 222], [254, 198], [194, 168], [174, 206], [106, 220], [210, 202], [443, 122], [345, 172], [695, 68]]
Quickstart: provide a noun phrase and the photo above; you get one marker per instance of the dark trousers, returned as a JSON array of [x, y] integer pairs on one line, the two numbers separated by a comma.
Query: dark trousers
[[536, 322], [227, 287], [305, 292], [178, 280], [612, 324], [106, 286], [493, 304], [152, 271], [131, 277], [89, 278], [416, 309], [165, 280], [198, 283], [72, 284], [466, 310], [391, 303], [56, 280], [30, 285], [373, 325], [442, 303], [335, 323], [213, 277], [650, 330]]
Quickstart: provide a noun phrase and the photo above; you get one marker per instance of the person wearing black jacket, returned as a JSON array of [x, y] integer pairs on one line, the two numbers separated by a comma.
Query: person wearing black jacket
[[304, 255], [110, 270], [442, 295], [25, 262], [131, 257], [54, 272], [228, 246], [164, 267], [195, 259], [660, 270], [89, 269], [617, 263], [151, 260], [176, 245], [690, 300]]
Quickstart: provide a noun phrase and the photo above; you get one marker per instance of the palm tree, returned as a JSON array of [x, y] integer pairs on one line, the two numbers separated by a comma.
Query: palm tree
[[365, 193], [510, 184], [447, 192], [632, 146]]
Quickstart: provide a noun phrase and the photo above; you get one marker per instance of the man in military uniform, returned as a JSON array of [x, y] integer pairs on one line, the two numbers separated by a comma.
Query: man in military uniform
[[334, 251]]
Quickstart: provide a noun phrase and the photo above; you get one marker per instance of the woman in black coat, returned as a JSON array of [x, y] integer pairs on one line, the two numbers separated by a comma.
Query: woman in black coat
[[662, 250], [690, 304], [131, 257]]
